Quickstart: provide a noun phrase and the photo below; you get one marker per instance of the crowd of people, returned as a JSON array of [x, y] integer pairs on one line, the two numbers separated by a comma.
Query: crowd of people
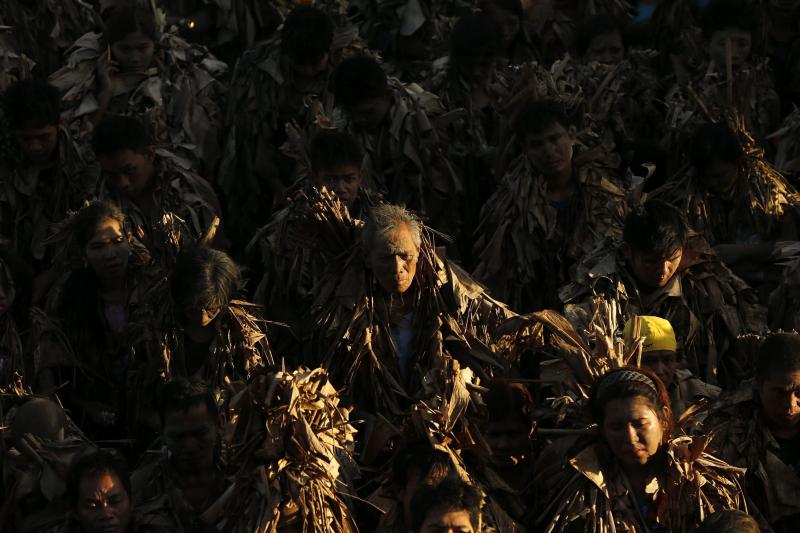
[[399, 266]]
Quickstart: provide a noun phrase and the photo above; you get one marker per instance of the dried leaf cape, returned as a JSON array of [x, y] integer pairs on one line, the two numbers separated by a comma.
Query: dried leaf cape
[[742, 438], [34, 469], [590, 492], [290, 463], [186, 209], [239, 348], [293, 249], [407, 157], [452, 315], [784, 302], [525, 244], [180, 96], [44, 30], [265, 98], [707, 305], [578, 485], [711, 97], [762, 207], [621, 98], [31, 200]]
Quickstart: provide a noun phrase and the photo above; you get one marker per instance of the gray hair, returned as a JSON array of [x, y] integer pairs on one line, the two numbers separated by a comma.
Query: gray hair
[[385, 218]]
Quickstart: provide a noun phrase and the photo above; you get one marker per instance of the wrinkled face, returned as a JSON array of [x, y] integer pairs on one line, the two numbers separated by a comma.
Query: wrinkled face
[[7, 291], [393, 259], [632, 430], [191, 437], [606, 48], [653, 271], [203, 315], [310, 70], [108, 250], [508, 439], [38, 145], [780, 400], [133, 53], [369, 114], [344, 181], [550, 151], [741, 42], [129, 172], [103, 504], [663, 363], [447, 521], [720, 177]]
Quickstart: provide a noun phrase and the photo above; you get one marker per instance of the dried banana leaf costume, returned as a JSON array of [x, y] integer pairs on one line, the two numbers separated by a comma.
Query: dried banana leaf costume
[[290, 459], [712, 97], [15, 64], [34, 471], [186, 209], [265, 98], [239, 348], [32, 200], [579, 485], [784, 302], [590, 493], [762, 207], [452, 316], [407, 157], [293, 249], [621, 98], [742, 438], [525, 246], [44, 30], [180, 97], [707, 305]]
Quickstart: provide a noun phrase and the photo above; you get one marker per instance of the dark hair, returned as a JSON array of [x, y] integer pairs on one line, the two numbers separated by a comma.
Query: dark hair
[[88, 218], [357, 79], [116, 133], [512, 6], [655, 228], [451, 495], [474, 35], [729, 521], [127, 19], [433, 466], [779, 353], [615, 385], [307, 35], [22, 278], [331, 149], [538, 115], [589, 28], [727, 14], [203, 276], [505, 399], [40, 417], [714, 142], [31, 104], [96, 462], [181, 394]]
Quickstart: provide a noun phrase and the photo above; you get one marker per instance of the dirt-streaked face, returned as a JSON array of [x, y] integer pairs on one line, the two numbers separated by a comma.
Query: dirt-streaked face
[[632, 430], [191, 437], [134, 52], [606, 48], [343, 180], [447, 521], [654, 271], [550, 151], [108, 250], [780, 400], [104, 505], [741, 43], [38, 144], [393, 258], [128, 171]]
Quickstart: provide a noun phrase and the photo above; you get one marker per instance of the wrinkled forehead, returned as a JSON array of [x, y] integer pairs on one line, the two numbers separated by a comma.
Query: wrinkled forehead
[[395, 240]]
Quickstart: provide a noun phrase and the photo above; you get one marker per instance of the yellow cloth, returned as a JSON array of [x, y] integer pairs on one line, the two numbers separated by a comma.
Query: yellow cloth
[[657, 332]]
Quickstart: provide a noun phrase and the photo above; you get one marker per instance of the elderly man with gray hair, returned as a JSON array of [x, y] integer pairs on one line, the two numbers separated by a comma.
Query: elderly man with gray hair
[[394, 309]]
